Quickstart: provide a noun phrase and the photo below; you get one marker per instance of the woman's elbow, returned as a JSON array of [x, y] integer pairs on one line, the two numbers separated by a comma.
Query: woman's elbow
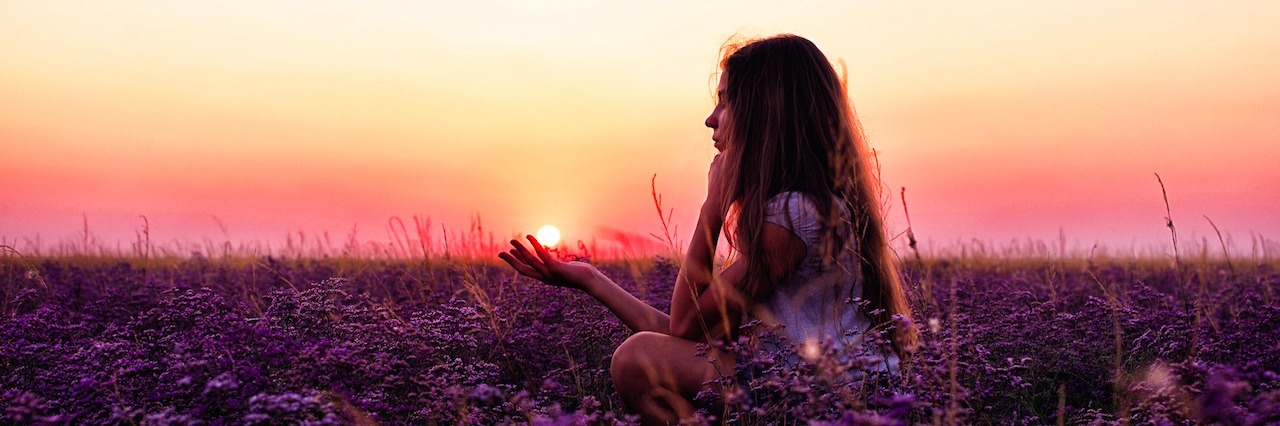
[[700, 330], [686, 330]]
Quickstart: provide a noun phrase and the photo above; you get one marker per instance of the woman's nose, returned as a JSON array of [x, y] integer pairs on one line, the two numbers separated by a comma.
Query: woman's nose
[[712, 121]]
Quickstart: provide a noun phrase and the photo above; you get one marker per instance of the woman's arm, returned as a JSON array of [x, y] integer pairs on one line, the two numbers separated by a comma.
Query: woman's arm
[[635, 313], [706, 306], [696, 274], [696, 277]]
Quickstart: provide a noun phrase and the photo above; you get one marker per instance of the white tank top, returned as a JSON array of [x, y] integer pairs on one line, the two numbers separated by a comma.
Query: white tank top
[[812, 302]]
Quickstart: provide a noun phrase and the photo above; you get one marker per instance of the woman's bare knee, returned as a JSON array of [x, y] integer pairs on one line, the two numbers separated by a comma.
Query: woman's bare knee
[[635, 365]]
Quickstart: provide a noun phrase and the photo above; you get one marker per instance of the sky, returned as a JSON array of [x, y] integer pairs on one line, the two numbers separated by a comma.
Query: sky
[[1007, 122]]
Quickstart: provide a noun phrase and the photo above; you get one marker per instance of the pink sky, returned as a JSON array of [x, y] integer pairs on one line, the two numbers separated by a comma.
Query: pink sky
[[250, 121]]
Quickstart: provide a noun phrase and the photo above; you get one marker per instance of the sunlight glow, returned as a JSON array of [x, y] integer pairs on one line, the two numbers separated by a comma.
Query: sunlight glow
[[548, 235]]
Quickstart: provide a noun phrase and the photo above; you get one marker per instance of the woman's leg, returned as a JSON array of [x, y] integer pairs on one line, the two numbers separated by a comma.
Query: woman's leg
[[658, 375]]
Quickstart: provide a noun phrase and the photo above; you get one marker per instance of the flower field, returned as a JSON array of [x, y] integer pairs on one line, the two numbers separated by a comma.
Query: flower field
[[270, 341]]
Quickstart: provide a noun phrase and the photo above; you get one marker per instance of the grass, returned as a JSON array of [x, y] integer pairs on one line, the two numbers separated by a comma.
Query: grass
[[420, 264]]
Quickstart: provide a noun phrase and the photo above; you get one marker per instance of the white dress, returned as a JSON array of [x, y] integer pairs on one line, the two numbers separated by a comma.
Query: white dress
[[812, 303]]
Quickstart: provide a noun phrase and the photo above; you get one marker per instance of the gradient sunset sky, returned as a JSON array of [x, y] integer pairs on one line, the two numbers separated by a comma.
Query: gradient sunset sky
[[248, 121]]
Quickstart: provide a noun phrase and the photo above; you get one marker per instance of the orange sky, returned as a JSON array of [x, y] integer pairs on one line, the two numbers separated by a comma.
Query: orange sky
[[1004, 120]]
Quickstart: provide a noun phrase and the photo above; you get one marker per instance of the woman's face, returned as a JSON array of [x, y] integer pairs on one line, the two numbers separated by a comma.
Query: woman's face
[[716, 118]]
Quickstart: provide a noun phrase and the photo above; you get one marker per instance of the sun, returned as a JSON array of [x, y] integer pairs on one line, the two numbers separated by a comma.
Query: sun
[[548, 235]]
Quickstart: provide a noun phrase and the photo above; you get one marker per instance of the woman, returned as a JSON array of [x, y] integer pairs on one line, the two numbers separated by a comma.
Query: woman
[[793, 185]]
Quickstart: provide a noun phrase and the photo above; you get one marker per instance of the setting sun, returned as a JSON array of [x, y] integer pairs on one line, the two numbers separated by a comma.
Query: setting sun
[[548, 235]]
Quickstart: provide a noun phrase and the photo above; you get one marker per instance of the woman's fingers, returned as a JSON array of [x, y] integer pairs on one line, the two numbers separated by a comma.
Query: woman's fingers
[[716, 184], [521, 253], [541, 250], [529, 258], [520, 266], [511, 260], [524, 268]]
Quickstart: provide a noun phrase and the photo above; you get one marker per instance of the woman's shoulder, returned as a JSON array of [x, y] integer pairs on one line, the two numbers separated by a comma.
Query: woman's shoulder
[[794, 211], [791, 202]]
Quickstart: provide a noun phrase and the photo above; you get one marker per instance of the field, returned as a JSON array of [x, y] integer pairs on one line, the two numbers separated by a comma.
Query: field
[[197, 340]]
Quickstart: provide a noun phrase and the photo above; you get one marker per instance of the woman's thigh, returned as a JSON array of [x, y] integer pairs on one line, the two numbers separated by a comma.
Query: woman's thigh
[[648, 359]]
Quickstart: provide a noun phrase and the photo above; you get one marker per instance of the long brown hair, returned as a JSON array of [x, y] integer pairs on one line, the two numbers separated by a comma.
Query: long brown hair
[[791, 127]]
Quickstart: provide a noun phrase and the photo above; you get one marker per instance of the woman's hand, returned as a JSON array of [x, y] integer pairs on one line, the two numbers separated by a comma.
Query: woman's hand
[[635, 313], [717, 185], [546, 268]]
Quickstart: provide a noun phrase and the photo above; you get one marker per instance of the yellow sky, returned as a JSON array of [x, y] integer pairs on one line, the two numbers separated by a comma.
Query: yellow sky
[[1004, 120]]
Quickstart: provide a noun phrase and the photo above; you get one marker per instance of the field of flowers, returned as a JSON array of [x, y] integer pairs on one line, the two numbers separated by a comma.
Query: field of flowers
[[271, 341]]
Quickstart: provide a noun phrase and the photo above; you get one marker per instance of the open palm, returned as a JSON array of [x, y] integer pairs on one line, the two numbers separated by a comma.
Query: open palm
[[544, 267]]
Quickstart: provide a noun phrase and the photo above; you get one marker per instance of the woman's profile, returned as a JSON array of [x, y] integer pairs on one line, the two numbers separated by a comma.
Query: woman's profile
[[793, 189]]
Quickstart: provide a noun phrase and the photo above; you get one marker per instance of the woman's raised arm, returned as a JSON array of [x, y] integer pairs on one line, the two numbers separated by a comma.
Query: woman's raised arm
[[705, 305]]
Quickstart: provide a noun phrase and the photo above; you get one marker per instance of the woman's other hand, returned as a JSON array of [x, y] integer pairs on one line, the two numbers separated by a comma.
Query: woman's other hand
[[717, 185], [546, 268]]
